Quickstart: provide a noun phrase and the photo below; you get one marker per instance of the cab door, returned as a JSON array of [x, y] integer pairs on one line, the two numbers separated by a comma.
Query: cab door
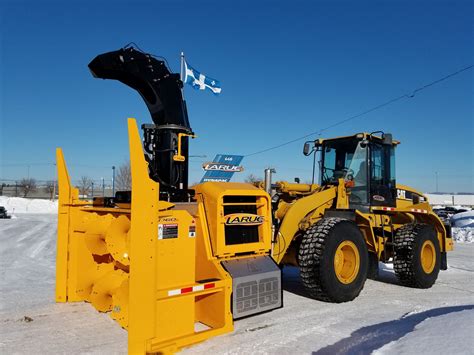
[[382, 190]]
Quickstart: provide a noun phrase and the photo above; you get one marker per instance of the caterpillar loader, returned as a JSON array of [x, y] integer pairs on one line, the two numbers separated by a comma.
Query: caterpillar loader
[[176, 266], [338, 232]]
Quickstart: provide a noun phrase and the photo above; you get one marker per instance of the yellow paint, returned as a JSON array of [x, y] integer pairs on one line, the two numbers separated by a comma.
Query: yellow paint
[[428, 256], [211, 194], [346, 262], [179, 156]]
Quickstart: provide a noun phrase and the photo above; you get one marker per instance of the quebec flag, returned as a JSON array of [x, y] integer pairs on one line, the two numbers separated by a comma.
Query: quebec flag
[[199, 81]]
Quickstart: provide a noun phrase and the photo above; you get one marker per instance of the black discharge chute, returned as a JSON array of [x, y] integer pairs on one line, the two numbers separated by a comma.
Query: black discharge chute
[[161, 91]]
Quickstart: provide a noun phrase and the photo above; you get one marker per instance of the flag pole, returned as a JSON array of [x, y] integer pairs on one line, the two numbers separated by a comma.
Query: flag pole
[[182, 73]]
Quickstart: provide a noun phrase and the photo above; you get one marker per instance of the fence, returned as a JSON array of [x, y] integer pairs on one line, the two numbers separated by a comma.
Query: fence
[[49, 189]]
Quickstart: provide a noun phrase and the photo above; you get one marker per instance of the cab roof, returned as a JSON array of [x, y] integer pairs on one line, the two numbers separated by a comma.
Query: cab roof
[[358, 136]]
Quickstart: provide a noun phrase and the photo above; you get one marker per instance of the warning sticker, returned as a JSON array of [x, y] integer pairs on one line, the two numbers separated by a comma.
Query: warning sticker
[[192, 231], [167, 231]]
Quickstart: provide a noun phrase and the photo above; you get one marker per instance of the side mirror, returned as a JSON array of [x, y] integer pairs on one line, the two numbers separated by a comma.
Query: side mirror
[[387, 139], [307, 149], [297, 180]]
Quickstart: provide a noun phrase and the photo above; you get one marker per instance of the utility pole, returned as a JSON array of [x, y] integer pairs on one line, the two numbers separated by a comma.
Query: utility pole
[[54, 181], [92, 190], [103, 187], [113, 181]]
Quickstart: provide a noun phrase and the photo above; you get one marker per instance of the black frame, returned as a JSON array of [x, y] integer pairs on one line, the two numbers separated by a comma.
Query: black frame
[[389, 193]]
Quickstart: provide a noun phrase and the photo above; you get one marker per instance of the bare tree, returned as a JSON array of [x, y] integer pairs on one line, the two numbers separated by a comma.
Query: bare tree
[[123, 178], [85, 185], [251, 179], [49, 188], [27, 185]]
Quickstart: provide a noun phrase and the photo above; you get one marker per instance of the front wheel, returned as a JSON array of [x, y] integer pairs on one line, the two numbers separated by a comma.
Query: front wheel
[[333, 260], [417, 255]]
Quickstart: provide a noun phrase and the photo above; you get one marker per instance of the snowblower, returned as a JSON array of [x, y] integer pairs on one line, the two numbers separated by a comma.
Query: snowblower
[[171, 265]]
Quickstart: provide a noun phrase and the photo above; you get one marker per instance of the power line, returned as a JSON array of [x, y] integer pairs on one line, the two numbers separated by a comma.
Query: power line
[[391, 101]]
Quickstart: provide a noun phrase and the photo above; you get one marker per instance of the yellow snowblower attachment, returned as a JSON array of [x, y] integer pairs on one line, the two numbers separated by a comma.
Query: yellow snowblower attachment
[[139, 263], [172, 274]]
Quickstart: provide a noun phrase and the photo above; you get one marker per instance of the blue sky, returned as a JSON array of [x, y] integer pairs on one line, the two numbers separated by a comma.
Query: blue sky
[[286, 69]]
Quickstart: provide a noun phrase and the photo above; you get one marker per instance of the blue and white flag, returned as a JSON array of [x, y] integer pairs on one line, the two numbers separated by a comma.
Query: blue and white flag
[[200, 81]]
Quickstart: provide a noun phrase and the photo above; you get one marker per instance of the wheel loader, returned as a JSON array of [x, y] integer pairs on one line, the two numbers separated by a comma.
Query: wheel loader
[[175, 266], [338, 231]]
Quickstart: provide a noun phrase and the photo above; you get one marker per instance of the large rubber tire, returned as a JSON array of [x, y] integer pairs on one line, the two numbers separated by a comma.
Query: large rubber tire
[[411, 242], [316, 259]]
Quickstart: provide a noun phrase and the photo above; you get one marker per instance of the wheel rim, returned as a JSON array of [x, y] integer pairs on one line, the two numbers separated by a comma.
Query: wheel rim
[[428, 256], [346, 262]]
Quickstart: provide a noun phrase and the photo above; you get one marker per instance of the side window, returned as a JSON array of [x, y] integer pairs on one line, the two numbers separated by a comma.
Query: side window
[[378, 164], [382, 181]]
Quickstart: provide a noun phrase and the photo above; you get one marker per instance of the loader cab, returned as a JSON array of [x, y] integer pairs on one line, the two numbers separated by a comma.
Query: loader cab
[[366, 162]]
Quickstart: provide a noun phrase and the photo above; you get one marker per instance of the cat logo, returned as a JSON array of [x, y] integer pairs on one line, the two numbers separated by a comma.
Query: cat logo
[[246, 219], [229, 168]]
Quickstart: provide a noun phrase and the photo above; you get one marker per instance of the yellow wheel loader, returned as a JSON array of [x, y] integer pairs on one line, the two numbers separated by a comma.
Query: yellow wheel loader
[[338, 231], [175, 266]]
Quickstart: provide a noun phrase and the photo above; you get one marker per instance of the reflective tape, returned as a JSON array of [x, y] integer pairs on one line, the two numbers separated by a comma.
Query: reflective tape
[[197, 288], [418, 210]]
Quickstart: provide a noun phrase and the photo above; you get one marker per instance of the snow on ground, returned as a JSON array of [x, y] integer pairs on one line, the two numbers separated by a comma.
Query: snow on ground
[[386, 317], [24, 205], [445, 323]]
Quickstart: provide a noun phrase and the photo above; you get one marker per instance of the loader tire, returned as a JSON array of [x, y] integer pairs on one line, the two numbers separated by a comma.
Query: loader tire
[[417, 255], [333, 260]]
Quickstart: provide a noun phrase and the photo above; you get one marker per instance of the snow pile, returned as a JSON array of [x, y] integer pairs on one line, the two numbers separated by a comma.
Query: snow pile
[[25, 205], [463, 235], [463, 227]]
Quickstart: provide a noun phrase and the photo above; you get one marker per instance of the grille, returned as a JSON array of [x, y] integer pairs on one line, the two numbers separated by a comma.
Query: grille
[[240, 234]]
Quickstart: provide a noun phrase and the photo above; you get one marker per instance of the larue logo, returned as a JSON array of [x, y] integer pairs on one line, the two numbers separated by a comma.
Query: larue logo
[[243, 219], [222, 167]]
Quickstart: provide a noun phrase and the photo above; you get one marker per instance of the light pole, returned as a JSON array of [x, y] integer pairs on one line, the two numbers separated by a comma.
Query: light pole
[[92, 190], [113, 181], [103, 187]]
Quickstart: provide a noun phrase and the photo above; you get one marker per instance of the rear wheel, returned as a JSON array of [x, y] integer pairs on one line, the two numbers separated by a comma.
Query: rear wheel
[[333, 260], [417, 255]]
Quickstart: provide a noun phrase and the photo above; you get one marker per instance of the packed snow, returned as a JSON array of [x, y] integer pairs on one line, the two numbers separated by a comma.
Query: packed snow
[[430, 326], [386, 318]]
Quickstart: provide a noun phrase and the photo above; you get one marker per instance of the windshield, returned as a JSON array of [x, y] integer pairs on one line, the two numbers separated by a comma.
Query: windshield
[[344, 158]]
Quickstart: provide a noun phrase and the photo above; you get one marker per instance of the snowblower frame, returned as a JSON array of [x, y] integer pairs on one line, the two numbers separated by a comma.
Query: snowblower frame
[[148, 264]]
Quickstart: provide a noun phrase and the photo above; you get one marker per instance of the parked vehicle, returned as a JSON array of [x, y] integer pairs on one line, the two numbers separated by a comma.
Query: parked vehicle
[[3, 213]]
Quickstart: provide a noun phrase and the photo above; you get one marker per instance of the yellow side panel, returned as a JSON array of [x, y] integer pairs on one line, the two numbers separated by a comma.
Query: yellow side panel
[[143, 236], [63, 227], [175, 318]]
